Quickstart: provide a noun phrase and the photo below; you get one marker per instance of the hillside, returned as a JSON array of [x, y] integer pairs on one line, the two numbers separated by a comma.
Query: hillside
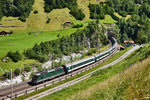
[[41, 27], [37, 22], [128, 79], [131, 84]]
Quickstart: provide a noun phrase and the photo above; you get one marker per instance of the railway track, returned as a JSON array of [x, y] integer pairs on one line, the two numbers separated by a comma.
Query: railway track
[[60, 87], [17, 88], [25, 88]]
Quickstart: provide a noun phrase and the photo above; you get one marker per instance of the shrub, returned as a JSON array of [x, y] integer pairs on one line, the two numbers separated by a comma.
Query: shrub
[[15, 56], [123, 13], [27, 69], [23, 79], [58, 35], [77, 26], [77, 13], [35, 12], [91, 51], [40, 68], [23, 19], [43, 58], [7, 75], [17, 71], [48, 20]]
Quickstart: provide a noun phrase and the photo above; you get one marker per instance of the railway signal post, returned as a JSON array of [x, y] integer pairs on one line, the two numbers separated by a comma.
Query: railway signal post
[[2, 70], [52, 60], [11, 83], [71, 65]]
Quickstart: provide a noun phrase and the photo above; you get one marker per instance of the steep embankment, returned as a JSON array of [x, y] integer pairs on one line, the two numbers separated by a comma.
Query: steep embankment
[[134, 83]]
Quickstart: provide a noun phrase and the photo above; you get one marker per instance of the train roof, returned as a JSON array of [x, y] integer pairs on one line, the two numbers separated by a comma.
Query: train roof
[[79, 61], [103, 52], [47, 71]]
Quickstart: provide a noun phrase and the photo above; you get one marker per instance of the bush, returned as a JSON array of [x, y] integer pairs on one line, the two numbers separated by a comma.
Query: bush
[[48, 20], [23, 19], [15, 56], [43, 58], [23, 79], [77, 13], [56, 64], [77, 26], [91, 51], [123, 13], [35, 12], [17, 71], [7, 75], [27, 69], [58, 35], [40, 68]]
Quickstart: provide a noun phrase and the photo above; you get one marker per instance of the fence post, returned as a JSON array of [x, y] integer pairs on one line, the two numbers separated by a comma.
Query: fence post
[[36, 89], [15, 95], [26, 92]]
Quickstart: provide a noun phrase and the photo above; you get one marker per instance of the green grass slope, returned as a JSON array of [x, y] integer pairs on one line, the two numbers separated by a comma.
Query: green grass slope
[[24, 41], [119, 16], [132, 84], [118, 82]]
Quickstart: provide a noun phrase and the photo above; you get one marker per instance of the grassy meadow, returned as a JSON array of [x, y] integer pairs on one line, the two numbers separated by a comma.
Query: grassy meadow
[[132, 84], [108, 19], [119, 16], [23, 41]]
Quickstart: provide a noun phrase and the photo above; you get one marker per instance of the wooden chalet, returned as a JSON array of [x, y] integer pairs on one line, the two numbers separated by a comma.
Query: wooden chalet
[[4, 33], [128, 43]]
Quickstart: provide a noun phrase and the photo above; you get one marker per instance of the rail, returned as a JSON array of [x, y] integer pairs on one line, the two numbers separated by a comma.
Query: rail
[[56, 80]]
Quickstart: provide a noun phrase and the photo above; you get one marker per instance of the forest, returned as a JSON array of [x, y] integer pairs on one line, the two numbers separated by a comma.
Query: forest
[[71, 4], [86, 38], [101, 11], [16, 8], [136, 28]]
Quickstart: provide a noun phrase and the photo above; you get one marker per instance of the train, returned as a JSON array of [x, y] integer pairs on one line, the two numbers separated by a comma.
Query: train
[[48, 74]]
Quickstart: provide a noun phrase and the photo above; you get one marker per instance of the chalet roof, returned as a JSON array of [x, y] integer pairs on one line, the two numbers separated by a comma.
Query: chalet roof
[[4, 32], [122, 47], [68, 22], [129, 41]]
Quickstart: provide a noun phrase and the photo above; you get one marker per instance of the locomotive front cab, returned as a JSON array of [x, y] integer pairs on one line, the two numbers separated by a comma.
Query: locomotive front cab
[[34, 79]]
